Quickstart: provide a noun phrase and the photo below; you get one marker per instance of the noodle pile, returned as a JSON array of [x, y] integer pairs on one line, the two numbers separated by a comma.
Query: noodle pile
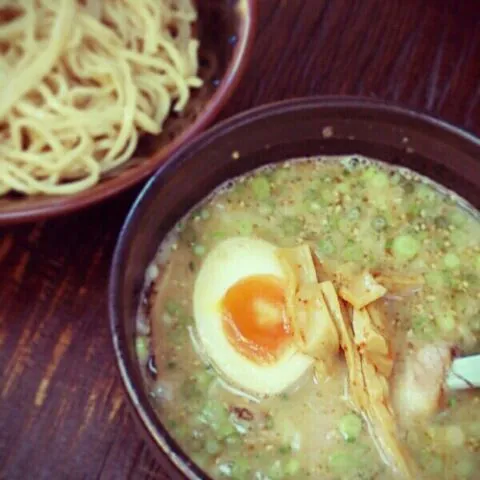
[[80, 81]]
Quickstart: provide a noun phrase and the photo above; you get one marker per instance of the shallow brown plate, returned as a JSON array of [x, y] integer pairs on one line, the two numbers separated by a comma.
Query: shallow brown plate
[[226, 32], [298, 128]]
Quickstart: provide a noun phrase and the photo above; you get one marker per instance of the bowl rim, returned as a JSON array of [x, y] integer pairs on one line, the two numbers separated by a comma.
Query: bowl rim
[[242, 51], [143, 411]]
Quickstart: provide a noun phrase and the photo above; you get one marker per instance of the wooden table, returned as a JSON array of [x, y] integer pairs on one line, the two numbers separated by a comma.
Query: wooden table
[[62, 407]]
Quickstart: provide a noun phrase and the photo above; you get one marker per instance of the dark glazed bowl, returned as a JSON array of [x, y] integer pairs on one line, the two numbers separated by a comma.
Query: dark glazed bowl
[[226, 32], [329, 125]]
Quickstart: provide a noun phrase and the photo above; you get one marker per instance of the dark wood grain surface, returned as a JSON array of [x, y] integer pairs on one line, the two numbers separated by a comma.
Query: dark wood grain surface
[[62, 409]]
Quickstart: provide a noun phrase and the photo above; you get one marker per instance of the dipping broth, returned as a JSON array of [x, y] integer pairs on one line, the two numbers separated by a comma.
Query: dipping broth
[[302, 419]]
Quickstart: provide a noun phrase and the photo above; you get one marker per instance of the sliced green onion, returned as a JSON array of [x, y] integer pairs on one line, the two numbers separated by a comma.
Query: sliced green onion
[[426, 193], [350, 163], [451, 261], [181, 431], [458, 218], [212, 446], [419, 322], [224, 429], [269, 423], [380, 180], [219, 235], [408, 187], [284, 449], [225, 469], [314, 207], [245, 227], [189, 390], [213, 413], [241, 468], [354, 214], [353, 252], [141, 348], [452, 401], [466, 305], [276, 471], [200, 458], [441, 222], [414, 210], [327, 195], [435, 280], [445, 321], [292, 467], [261, 188], [379, 223], [172, 307], [369, 173], [405, 247], [460, 238], [454, 436], [474, 429], [266, 208], [465, 468], [342, 463], [281, 175], [326, 246], [291, 225], [432, 463], [233, 439], [199, 250], [185, 319], [350, 427], [344, 225], [204, 378]]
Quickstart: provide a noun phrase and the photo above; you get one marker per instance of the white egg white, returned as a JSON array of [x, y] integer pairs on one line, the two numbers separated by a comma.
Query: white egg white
[[226, 264]]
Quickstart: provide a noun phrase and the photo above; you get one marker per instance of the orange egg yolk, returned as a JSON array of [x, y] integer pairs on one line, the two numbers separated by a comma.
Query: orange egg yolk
[[255, 318]]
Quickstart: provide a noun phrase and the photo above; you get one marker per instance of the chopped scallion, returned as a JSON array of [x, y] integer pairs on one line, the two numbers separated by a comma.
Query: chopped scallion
[[350, 427], [451, 261], [199, 250], [261, 188], [405, 247]]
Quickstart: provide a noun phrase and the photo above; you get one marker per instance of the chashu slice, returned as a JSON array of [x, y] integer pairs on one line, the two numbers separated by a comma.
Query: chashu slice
[[420, 381]]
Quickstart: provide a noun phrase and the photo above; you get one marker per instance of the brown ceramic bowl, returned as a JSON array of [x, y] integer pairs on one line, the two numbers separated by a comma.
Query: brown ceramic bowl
[[268, 134], [226, 31]]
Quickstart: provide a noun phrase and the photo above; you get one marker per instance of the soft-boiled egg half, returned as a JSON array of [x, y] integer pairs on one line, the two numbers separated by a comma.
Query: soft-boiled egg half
[[241, 317]]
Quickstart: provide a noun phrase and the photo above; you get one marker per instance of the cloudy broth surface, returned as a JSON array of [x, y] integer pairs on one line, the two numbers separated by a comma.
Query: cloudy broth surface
[[349, 210]]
